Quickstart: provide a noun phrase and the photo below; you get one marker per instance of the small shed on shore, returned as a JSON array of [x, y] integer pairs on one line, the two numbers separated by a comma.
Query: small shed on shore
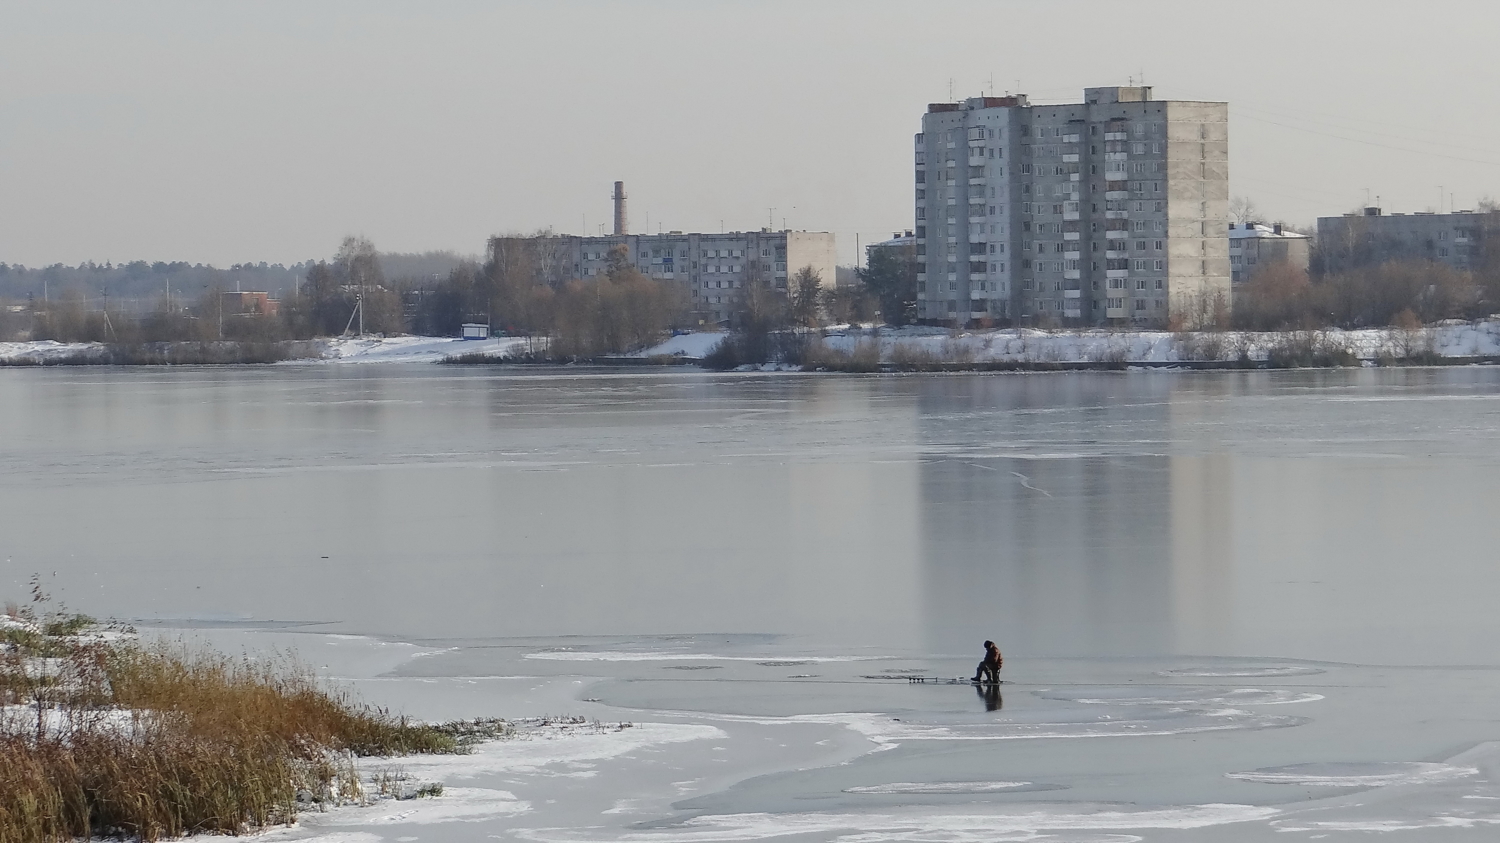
[[475, 331]]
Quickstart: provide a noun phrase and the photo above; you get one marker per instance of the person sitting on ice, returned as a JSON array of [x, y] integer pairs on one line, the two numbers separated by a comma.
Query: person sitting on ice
[[989, 669]]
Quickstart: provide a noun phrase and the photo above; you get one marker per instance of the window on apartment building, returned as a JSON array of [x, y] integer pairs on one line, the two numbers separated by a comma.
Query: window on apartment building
[[1140, 283], [1158, 284], [1160, 265], [1156, 245]]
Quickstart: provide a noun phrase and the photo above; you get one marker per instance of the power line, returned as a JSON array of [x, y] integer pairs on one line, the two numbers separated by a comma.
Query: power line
[[1349, 127], [1373, 143]]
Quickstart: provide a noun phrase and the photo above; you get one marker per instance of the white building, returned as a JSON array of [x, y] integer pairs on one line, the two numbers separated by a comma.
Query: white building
[[715, 267], [1107, 211], [1253, 246]]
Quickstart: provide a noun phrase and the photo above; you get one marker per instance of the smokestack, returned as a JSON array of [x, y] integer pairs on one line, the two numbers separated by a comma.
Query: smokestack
[[620, 225]]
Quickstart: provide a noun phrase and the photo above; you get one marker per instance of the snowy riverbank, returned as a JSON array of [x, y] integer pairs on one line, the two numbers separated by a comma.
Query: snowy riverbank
[[911, 345]]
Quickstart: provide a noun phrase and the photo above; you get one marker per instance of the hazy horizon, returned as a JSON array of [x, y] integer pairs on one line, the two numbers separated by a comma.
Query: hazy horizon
[[230, 133]]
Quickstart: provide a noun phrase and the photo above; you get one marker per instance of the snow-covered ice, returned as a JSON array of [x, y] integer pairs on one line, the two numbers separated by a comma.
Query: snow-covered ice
[[668, 760]]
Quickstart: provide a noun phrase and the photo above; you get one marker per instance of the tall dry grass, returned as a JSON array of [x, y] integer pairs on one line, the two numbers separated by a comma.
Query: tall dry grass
[[112, 737]]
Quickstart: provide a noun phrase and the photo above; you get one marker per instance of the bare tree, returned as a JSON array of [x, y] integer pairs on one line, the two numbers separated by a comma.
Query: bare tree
[[1242, 210]]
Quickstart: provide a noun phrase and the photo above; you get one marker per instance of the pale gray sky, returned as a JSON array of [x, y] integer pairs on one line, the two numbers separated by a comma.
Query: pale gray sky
[[225, 132]]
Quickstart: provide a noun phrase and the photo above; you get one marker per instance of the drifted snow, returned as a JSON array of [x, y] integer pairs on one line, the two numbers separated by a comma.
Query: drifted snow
[[694, 345], [412, 349], [44, 351], [1032, 345]]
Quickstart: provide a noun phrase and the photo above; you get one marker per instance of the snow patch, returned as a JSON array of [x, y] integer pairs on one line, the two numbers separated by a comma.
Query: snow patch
[[411, 349], [1033, 725], [554, 751], [1368, 774], [939, 787], [1020, 823], [658, 656], [1266, 672], [696, 345], [1177, 695]]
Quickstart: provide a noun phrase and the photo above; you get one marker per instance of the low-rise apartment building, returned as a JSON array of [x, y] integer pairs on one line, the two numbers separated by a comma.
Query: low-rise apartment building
[[715, 268], [1253, 247], [1372, 236]]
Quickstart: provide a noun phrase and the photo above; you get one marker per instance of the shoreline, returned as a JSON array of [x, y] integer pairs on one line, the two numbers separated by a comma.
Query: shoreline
[[843, 349]]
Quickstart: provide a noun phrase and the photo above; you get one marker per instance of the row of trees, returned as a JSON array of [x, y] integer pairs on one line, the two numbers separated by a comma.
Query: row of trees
[[1284, 297]]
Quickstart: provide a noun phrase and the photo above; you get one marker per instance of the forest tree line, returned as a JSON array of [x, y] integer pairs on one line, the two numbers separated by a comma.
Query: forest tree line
[[525, 285]]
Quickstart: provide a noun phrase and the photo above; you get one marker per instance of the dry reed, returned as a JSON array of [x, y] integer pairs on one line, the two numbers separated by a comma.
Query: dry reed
[[108, 736]]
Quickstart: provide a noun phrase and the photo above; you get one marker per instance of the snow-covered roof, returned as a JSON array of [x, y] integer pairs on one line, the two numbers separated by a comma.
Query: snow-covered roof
[[1248, 230]]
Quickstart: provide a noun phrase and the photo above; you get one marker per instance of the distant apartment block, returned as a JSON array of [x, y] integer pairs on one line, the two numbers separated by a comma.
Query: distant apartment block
[[901, 243], [716, 268], [1113, 210], [1253, 247], [1373, 237]]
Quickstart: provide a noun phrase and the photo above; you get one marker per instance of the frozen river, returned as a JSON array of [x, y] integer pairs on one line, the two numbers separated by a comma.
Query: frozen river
[[1234, 606]]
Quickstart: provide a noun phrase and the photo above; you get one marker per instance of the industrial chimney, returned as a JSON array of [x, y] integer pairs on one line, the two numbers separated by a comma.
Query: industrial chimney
[[619, 208]]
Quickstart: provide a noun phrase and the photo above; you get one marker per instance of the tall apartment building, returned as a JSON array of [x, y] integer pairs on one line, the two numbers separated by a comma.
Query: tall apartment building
[[1113, 210], [715, 267], [1373, 236]]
